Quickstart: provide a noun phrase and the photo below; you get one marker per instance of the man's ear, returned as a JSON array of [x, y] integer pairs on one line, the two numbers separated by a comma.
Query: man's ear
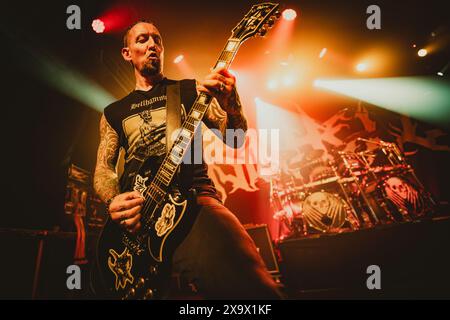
[[126, 54]]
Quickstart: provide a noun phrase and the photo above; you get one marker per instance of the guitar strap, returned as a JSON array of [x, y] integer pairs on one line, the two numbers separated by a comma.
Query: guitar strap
[[173, 122], [173, 117]]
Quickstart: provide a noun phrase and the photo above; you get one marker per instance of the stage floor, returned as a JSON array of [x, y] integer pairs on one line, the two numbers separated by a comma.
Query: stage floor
[[413, 258]]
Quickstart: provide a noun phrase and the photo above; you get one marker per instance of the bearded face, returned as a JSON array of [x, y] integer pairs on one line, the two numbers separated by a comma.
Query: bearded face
[[145, 49]]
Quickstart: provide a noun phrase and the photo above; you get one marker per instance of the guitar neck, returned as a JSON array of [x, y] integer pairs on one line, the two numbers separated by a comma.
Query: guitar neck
[[166, 172]]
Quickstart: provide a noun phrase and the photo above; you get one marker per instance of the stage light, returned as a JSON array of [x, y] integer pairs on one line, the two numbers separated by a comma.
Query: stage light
[[322, 53], [289, 14], [272, 84], [289, 80], [71, 82], [422, 53], [273, 117], [178, 59], [423, 98], [441, 72], [98, 26], [361, 67]]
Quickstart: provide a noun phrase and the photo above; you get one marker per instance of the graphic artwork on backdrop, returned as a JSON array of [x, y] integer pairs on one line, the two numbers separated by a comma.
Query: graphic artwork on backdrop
[[339, 131]]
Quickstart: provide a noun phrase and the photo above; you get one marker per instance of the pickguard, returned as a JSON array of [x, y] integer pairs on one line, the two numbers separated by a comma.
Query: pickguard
[[121, 267], [171, 214]]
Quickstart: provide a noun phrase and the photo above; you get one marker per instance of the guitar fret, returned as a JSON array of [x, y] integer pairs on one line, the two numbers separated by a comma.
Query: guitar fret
[[203, 99], [190, 127], [159, 191], [196, 115], [191, 120], [175, 159], [169, 165], [226, 56], [232, 45], [178, 150], [200, 107], [221, 64], [185, 134], [166, 174]]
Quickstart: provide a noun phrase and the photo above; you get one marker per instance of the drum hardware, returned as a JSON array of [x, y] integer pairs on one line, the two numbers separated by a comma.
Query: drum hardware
[[358, 195], [360, 189]]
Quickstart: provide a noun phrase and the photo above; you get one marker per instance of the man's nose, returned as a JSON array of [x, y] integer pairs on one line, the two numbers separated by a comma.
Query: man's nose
[[151, 46]]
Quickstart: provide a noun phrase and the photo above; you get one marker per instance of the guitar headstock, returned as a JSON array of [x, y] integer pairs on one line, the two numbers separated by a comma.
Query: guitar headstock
[[257, 21]]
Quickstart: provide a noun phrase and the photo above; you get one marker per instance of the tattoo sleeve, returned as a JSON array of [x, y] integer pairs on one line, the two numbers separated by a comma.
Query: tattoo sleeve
[[217, 118], [106, 181]]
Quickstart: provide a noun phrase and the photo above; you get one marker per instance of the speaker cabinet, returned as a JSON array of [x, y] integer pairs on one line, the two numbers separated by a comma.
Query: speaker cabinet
[[261, 236]]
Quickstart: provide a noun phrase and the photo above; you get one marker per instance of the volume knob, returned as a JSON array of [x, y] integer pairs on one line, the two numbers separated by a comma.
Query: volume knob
[[140, 283], [148, 294]]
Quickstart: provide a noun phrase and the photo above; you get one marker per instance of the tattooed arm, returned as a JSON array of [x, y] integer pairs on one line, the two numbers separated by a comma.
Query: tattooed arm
[[217, 118], [125, 207], [106, 181], [225, 111]]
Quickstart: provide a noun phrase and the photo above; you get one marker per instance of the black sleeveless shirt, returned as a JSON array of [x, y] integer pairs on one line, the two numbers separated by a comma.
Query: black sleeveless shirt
[[140, 122]]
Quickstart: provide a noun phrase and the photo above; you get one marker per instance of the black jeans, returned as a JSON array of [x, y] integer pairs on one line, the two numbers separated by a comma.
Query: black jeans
[[220, 259]]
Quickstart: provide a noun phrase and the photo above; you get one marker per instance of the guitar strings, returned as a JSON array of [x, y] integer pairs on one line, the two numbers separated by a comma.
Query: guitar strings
[[157, 182]]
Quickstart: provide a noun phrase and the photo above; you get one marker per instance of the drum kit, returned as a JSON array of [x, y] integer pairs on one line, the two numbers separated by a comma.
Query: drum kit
[[348, 191]]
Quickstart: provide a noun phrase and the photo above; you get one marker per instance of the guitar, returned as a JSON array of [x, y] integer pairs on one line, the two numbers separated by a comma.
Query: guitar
[[137, 266]]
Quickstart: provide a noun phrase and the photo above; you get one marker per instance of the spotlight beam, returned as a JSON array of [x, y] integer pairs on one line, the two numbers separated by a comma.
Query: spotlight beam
[[422, 98], [50, 70]]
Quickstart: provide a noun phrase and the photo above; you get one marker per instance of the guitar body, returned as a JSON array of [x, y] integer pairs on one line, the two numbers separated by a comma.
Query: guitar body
[[138, 266]]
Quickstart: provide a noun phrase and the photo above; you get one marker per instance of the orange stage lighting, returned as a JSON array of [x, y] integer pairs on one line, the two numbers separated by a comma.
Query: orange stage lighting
[[178, 59], [361, 67], [422, 52], [183, 66], [281, 35], [322, 53]]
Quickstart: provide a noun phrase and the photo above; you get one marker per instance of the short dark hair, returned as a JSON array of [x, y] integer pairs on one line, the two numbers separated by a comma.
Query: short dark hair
[[127, 30]]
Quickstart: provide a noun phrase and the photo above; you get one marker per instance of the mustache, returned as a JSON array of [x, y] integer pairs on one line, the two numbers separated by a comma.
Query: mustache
[[153, 54]]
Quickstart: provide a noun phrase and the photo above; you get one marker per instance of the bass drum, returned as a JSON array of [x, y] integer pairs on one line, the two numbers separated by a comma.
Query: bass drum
[[324, 211], [402, 200]]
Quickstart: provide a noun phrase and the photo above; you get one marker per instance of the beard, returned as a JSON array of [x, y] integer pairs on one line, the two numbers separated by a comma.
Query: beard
[[151, 67]]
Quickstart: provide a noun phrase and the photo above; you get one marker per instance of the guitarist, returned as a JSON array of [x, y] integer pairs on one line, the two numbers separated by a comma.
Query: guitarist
[[217, 256]]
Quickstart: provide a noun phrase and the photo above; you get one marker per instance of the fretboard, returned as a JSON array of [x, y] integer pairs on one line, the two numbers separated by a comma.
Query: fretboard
[[158, 187]]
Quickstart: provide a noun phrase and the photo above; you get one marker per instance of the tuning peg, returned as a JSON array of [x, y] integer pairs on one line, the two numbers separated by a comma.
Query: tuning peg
[[271, 22], [277, 14], [263, 32]]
